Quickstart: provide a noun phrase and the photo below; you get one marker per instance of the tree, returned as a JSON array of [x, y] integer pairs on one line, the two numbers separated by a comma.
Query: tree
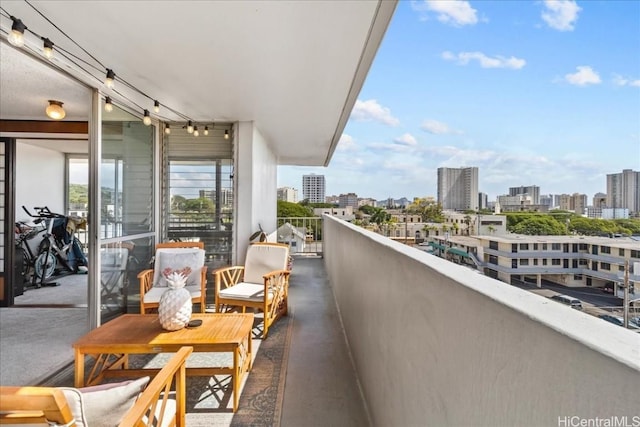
[[295, 210], [380, 216], [367, 210], [539, 225], [428, 210], [177, 202], [467, 221], [201, 204], [78, 193]]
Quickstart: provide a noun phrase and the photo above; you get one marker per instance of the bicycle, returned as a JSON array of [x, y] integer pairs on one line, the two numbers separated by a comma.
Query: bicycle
[[26, 241], [57, 247]]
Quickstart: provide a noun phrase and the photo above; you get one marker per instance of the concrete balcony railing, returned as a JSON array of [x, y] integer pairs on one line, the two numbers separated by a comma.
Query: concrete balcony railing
[[434, 343]]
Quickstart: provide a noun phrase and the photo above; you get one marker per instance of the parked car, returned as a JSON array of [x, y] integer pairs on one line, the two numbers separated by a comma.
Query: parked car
[[612, 319], [608, 287], [570, 301]]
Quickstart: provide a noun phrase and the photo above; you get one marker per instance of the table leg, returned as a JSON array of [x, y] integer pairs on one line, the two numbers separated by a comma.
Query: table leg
[[235, 378], [79, 369], [250, 351]]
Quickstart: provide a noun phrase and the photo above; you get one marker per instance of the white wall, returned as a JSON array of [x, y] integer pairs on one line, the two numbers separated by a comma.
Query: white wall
[[40, 180], [256, 191], [436, 344]]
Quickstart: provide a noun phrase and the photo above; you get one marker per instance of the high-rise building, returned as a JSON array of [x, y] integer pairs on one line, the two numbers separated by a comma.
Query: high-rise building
[[574, 202], [458, 188], [288, 194], [483, 199], [599, 200], [313, 188], [623, 190], [529, 190], [349, 199]]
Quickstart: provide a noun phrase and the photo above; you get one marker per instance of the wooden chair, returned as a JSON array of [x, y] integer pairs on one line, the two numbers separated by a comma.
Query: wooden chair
[[175, 255], [261, 283], [162, 402]]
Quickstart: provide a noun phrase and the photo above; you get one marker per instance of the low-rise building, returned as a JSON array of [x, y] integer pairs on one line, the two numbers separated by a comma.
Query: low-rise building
[[574, 261]]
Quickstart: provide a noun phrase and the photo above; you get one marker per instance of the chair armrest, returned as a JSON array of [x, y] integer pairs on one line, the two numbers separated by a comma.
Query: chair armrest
[[31, 405], [146, 281], [149, 409], [203, 278], [273, 278], [227, 276]]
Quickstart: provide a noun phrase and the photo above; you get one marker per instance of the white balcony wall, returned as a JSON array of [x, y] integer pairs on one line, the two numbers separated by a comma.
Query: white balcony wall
[[256, 185], [40, 180], [434, 343]]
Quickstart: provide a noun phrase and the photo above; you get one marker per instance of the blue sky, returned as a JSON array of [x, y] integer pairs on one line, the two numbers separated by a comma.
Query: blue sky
[[540, 93]]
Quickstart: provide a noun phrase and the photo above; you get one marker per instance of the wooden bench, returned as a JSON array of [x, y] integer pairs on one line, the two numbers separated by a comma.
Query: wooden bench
[[39, 405]]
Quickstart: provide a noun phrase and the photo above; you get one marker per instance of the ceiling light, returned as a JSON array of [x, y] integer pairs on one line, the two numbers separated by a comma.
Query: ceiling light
[[189, 127], [156, 106], [47, 49], [16, 36], [226, 134], [206, 130], [195, 131], [146, 119], [55, 111], [108, 106], [167, 129], [108, 81]]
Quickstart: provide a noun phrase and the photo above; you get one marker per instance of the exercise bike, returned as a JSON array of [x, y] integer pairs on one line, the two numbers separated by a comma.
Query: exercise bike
[[59, 250]]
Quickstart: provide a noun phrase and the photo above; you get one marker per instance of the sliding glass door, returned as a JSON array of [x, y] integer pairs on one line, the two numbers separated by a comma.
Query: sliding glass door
[[126, 210]]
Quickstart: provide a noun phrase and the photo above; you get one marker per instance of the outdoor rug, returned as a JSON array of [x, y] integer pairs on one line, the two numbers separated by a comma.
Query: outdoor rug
[[209, 400]]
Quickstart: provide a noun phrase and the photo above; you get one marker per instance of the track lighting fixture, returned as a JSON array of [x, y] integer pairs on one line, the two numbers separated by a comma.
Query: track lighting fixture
[[108, 106], [206, 130], [146, 119], [47, 48], [167, 129], [226, 134], [156, 106], [195, 131], [55, 111], [189, 127], [108, 81], [16, 36]]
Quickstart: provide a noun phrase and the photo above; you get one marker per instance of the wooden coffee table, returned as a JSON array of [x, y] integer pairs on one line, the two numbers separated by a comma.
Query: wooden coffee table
[[112, 343]]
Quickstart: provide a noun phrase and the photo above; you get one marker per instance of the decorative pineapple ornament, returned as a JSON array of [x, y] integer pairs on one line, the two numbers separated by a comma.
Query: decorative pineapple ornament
[[175, 307]]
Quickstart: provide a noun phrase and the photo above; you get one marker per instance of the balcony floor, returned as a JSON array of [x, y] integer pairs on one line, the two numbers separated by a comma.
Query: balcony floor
[[321, 387]]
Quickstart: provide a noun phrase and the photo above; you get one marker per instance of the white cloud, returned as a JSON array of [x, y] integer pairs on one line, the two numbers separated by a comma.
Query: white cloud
[[437, 128], [453, 12], [584, 76], [463, 58], [618, 80], [561, 14], [346, 143], [406, 139], [370, 110]]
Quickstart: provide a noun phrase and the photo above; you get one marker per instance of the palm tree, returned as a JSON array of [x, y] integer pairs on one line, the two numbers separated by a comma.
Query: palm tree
[[467, 221]]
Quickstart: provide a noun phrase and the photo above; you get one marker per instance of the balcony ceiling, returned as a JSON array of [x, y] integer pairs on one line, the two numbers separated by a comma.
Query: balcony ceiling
[[294, 68]]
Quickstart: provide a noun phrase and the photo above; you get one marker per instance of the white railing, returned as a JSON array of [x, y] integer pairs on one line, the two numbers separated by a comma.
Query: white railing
[[302, 234], [434, 343]]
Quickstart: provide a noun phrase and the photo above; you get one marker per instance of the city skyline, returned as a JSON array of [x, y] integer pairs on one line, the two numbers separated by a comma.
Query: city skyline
[[542, 93]]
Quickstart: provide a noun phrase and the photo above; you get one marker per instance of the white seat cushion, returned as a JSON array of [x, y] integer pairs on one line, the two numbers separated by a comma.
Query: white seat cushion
[[154, 294], [245, 291]]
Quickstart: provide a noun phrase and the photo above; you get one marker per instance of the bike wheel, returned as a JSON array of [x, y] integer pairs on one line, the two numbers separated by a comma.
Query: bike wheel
[[45, 265]]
